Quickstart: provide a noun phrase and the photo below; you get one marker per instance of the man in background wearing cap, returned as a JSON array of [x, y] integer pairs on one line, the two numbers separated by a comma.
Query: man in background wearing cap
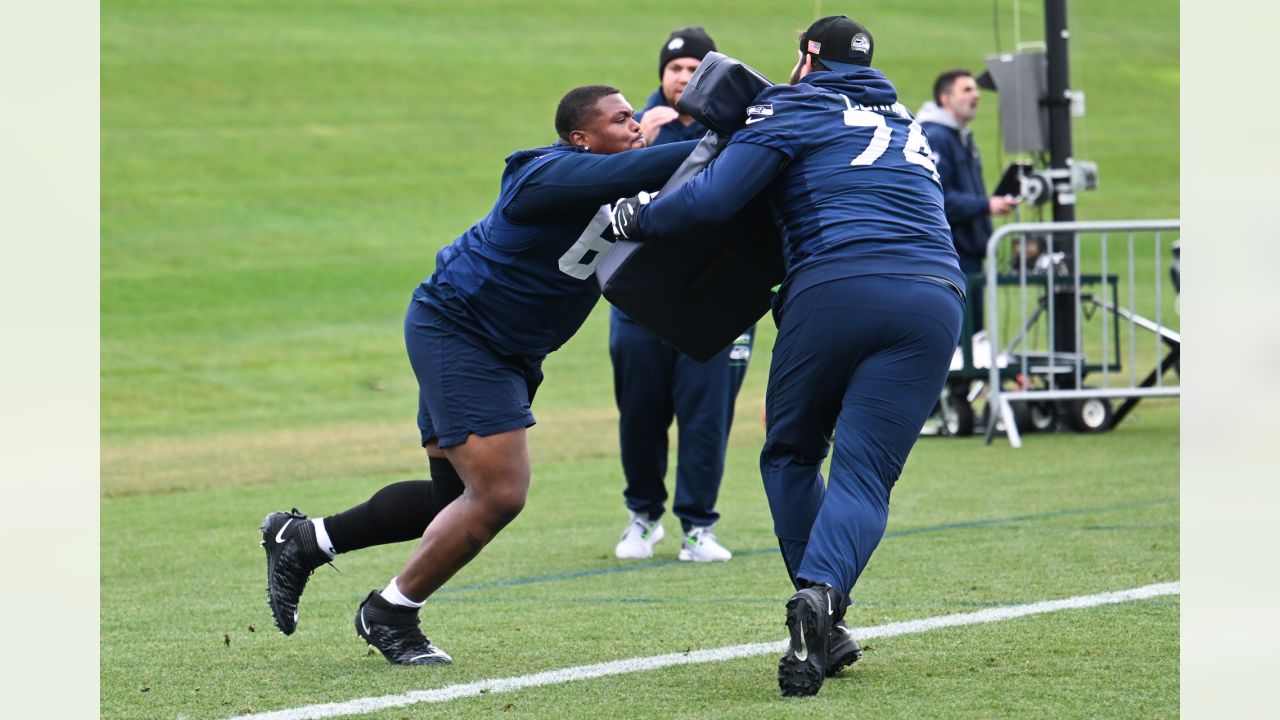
[[945, 121], [653, 382], [868, 314], [507, 292]]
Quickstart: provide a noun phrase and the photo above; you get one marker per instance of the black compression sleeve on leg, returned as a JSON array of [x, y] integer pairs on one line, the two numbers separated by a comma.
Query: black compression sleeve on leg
[[446, 484], [397, 512]]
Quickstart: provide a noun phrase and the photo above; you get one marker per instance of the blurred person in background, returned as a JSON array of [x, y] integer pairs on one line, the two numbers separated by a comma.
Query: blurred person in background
[[945, 120], [653, 383]]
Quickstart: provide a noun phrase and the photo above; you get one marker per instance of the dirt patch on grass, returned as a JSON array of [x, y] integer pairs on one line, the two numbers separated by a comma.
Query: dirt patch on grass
[[350, 450]]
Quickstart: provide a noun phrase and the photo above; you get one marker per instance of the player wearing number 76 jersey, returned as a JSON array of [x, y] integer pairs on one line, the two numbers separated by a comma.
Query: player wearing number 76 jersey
[[868, 314]]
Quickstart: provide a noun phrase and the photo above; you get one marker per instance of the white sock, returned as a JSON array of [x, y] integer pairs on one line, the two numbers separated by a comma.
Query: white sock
[[322, 538], [393, 595]]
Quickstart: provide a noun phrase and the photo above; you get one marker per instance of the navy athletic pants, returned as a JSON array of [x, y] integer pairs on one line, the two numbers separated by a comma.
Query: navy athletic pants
[[653, 383], [864, 358]]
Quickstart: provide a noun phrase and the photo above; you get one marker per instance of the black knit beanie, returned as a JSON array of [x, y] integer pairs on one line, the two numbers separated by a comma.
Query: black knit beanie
[[692, 42]]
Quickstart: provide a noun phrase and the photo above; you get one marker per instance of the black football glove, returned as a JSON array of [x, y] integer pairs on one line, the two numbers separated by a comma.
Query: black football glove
[[626, 216]]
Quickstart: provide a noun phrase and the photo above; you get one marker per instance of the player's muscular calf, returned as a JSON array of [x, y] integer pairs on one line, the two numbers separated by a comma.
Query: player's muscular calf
[[496, 473]]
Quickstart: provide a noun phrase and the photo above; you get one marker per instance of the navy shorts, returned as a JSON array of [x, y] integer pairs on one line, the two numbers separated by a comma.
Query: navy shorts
[[464, 386]]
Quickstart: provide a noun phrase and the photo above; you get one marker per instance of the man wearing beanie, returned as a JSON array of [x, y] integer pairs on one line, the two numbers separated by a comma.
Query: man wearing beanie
[[868, 313], [680, 56], [653, 383]]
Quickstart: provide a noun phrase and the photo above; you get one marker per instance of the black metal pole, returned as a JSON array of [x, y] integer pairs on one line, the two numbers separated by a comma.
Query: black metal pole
[[1058, 100], [1058, 103]]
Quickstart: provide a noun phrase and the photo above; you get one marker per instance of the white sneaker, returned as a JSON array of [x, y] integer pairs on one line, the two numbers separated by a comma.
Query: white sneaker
[[638, 538], [700, 545]]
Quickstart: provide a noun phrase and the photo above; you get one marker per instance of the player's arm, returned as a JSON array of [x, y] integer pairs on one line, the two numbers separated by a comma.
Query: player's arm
[[584, 180], [708, 200]]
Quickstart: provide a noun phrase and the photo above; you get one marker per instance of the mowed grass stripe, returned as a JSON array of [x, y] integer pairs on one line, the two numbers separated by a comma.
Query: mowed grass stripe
[[651, 564], [361, 706]]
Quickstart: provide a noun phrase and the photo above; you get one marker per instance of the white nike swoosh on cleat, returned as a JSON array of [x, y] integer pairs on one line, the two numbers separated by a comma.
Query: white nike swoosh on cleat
[[280, 535], [362, 622], [803, 653]]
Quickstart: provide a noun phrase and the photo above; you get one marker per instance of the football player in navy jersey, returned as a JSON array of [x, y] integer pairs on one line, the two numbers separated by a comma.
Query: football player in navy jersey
[[653, 383], [868, 314], [508, 291]]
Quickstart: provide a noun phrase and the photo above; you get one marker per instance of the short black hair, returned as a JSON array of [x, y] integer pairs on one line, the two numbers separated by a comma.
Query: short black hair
[[943, 84], [578, 106]]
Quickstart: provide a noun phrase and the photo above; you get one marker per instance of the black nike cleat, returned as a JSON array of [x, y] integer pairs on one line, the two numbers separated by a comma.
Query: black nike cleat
[[394, 631], [810, 621], [292, 555], [842, 649]]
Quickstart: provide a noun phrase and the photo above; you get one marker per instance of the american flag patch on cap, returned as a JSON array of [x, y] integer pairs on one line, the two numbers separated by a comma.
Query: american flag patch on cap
[[815, 46]]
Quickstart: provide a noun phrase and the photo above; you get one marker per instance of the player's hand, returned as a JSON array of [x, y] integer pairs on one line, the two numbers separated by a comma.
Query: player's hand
[[625, 213], [653, 120]]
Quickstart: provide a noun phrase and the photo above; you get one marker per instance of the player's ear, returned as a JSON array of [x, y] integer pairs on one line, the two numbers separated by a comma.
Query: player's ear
[[578, 138], [803, 67]]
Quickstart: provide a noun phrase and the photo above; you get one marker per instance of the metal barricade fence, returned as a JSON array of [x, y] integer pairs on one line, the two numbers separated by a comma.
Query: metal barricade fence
[[1077, 301]]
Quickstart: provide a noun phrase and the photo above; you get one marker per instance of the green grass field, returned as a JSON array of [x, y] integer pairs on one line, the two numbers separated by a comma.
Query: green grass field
[[276, 178]]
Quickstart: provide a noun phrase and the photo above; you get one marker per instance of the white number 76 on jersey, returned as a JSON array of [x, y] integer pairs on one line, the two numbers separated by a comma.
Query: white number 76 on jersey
[[916, 150]]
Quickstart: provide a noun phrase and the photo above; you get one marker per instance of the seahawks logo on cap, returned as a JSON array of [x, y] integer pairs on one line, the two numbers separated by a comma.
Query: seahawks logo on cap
[[676, 43], [860, 43]]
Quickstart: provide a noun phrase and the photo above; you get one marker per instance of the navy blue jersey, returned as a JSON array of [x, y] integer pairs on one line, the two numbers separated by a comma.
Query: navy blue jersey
[[849, 176], [860, 181], [503, 280]]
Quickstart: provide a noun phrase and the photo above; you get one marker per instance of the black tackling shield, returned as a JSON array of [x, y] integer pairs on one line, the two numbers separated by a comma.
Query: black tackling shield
[[700, 292]]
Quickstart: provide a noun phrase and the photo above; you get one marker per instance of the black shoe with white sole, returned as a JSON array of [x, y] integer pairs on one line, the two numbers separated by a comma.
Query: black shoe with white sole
[[810, 619], [394, 631], [292, 555], [842, 649]]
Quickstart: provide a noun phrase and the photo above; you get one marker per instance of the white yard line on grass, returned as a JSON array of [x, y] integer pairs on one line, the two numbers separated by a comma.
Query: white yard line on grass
[[361, 706]]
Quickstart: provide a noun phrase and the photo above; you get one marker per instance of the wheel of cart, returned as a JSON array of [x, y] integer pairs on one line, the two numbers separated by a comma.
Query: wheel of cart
[[1087, 415], [1035, 415], [956, 410], [1041, 416], [1030, 415], [965, 379]]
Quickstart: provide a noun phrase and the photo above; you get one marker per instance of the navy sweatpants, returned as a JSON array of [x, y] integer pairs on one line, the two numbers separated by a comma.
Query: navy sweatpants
[[865, 358], [653, 383]]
